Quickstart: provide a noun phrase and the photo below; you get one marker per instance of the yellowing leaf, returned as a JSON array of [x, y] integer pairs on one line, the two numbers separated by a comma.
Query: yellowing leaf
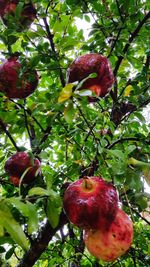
[[45, 263], [79, 161], [128, 90], [66, 93]]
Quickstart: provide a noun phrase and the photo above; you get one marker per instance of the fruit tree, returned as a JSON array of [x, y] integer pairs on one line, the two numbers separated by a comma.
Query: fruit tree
[[74, 133]]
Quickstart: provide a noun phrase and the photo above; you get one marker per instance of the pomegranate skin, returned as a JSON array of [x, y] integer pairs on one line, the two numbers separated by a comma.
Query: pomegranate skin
[[17, 164], [7, 6], [90, 202], [14, 180], [86, 64], [28, 14], [14, 86], [113, 243]]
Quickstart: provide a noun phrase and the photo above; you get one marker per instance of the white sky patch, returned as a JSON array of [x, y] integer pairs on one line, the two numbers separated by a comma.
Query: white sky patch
[[84, 25], [146, 114]]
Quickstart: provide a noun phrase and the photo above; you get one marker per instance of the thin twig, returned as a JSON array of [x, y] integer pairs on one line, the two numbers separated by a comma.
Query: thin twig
[[18, 105], [121, 140], [115, 41], [9, 135], [143, 104], [50, 38], [145, 220]]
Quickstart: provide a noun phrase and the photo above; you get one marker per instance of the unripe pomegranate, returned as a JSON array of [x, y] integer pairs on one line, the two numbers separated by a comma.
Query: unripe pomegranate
[[87, 64], [15, 83]]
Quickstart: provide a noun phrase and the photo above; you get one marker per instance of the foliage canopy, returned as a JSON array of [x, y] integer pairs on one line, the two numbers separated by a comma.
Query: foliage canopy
[[71, 136]]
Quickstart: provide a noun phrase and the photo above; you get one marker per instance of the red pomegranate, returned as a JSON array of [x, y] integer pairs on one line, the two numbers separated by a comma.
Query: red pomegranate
[[87, 64], [8, 9], [20, 162], [15, 83], [110, 244], [90, 202]]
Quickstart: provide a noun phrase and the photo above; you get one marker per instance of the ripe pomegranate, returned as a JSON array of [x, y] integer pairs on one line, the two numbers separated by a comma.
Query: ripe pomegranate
[[112, 243], [15, 83], [18, 163], [15, 180], [83, 66], [90, 202], [8, 9]]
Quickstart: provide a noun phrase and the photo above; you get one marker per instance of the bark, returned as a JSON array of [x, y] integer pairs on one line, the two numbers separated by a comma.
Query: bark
[[41, 242]]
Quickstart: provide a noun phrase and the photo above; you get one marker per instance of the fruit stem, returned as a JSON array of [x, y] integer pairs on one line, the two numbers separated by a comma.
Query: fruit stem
[[87, 183]]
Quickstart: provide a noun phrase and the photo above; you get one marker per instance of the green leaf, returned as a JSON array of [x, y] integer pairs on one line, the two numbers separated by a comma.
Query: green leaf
[[53, 210], [1, 230], [32, 218], [17, 46], [130, 149], [38, 191], [28, 210], [87, 18], [2, 249], [69, 113], [9, 253], [116, 153], [92, 75], [6, 240], [12, 226], [17, 203], [48, 180], [19, 9], [15, 230], [140, 117]]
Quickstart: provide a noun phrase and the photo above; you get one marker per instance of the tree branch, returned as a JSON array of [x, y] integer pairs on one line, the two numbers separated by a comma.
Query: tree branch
[[38, 149], [41, 242], [115, 41], [130, 40], [119, 11], [9, 135], [137, 213], [143, 104], [86, 121], [121, 140], [28, 111], [50, 38], [80, 149]]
